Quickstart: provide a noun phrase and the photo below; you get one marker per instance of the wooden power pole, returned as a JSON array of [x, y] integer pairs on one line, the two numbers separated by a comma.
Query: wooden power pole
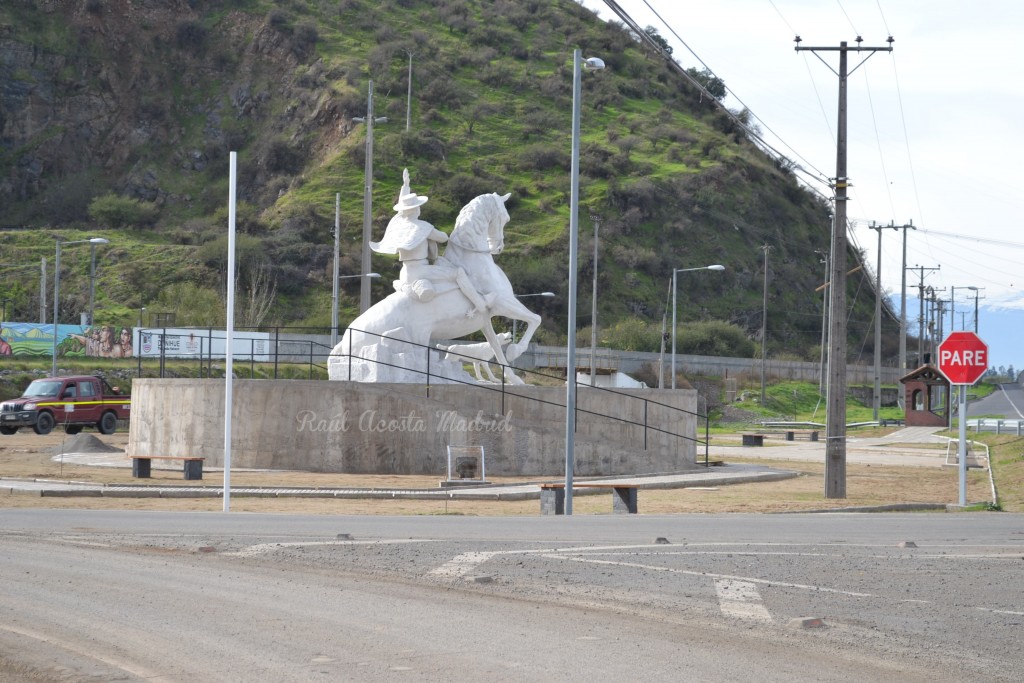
[[835, 428]]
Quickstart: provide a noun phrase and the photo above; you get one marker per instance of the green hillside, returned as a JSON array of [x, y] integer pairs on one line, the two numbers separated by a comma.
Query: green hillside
[[117, 120]]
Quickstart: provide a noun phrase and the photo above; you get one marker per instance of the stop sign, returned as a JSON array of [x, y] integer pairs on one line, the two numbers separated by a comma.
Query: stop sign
[[963, 357]]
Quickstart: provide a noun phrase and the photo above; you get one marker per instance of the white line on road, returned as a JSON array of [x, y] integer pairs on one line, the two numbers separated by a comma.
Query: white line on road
[[765, 582], [463, 564], [740, 599], [268, 547]]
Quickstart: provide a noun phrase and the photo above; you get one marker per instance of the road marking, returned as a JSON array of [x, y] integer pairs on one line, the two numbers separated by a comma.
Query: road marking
[[740, 599], [463, 564], [765, 582], [1000, 611], [268, 547]]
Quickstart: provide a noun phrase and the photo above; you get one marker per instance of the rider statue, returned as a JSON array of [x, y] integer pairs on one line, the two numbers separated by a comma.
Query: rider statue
[[415, 241]]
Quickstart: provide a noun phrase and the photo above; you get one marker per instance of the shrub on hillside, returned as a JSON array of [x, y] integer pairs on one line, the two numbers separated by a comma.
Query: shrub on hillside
[[714, 338], [123, 212]]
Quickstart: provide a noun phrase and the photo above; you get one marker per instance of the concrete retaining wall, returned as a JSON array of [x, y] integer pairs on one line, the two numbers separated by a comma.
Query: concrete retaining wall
[[348, 427]]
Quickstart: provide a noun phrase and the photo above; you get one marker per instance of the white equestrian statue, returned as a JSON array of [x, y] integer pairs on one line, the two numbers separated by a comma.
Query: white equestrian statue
[[447, 298]]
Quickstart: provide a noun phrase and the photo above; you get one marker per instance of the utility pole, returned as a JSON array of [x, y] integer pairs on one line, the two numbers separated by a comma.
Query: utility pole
[[921, 317], [364, 288], [764, 319], [876, 396], [835, 430], [903, 296]]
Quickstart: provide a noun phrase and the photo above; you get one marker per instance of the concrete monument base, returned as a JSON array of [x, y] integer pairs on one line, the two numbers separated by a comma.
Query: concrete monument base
[[356, 427]]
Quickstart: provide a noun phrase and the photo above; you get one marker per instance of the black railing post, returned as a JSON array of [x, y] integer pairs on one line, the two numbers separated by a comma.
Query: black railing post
[[277, 347], [428, 371], [707, 435], [502, 389]]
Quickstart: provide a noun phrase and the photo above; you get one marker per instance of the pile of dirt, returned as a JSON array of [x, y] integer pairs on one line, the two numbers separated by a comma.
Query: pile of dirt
[[84, 443]]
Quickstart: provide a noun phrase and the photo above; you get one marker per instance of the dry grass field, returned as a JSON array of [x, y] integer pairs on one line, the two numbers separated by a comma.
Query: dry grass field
[[29, 456]]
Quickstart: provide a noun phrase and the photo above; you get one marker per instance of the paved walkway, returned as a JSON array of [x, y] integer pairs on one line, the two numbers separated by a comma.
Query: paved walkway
[[913, 446]]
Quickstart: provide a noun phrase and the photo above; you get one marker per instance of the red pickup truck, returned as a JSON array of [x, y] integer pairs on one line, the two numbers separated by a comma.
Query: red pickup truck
[[72, 402]]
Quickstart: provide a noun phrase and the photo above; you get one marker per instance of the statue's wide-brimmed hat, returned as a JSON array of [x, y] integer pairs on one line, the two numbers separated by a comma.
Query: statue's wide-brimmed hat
[[410, 201]]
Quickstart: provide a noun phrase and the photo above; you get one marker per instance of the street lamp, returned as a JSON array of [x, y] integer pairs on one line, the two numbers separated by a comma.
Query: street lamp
[[334, 307], [56, 291], [364, 292], [674, 279], [574, 208], [520, 296]]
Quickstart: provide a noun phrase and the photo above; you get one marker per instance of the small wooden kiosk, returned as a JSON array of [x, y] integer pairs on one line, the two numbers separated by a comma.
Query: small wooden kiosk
[[926, 398]]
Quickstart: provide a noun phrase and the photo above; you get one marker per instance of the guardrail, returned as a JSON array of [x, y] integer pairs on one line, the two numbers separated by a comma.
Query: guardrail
[[999, 426]]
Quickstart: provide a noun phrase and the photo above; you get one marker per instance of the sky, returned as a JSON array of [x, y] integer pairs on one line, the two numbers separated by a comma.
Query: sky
[[935, 130]]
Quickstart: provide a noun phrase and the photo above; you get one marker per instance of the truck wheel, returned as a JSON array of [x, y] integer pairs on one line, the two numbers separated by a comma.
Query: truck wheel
[[73, 429], [7, 431], [44, 424], [108, 423]]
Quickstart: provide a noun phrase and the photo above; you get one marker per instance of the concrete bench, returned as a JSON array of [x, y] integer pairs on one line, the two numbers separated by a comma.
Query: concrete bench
[[141, 465], [753, 439], [552, 497], [811, 434]]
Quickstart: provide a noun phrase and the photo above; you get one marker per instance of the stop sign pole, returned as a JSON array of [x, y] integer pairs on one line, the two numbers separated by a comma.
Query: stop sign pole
[[963, 359]]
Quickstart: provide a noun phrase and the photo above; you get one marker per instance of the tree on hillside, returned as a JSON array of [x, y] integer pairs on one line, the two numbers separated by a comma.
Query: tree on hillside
[[712, 83], [657, 38]]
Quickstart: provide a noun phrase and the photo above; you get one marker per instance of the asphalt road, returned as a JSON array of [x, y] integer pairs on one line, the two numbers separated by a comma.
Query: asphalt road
[[1007, 403], [105, 595]]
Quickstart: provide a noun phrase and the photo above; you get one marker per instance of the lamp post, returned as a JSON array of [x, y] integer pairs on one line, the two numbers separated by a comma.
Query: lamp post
[[522, 296], [141, 311], [364, 292], [674, 279], [574, 207], [4, 318], [56, 291]]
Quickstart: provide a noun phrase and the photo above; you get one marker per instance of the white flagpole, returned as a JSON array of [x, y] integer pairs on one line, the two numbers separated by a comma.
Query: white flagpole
[[232, 182]]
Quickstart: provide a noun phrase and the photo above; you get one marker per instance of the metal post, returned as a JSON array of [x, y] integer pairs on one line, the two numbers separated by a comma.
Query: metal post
[[92, 280], [593, 311], [368, 189], [962, 451], [56, 302], [334, 288], [570, 363], [672, 365]]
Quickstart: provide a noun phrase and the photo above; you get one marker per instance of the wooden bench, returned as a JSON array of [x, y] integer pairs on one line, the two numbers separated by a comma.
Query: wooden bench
[[141, 465], [753, 439], [812, 434], [552, 497]]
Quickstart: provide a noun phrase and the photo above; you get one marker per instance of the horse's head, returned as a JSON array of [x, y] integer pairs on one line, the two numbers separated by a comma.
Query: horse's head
[[480, 226]]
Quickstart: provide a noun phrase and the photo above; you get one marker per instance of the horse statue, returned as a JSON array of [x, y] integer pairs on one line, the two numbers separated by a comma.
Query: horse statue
[[399, 331]]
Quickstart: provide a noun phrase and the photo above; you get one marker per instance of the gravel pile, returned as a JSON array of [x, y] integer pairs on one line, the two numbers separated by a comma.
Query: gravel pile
[[84, 443]]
